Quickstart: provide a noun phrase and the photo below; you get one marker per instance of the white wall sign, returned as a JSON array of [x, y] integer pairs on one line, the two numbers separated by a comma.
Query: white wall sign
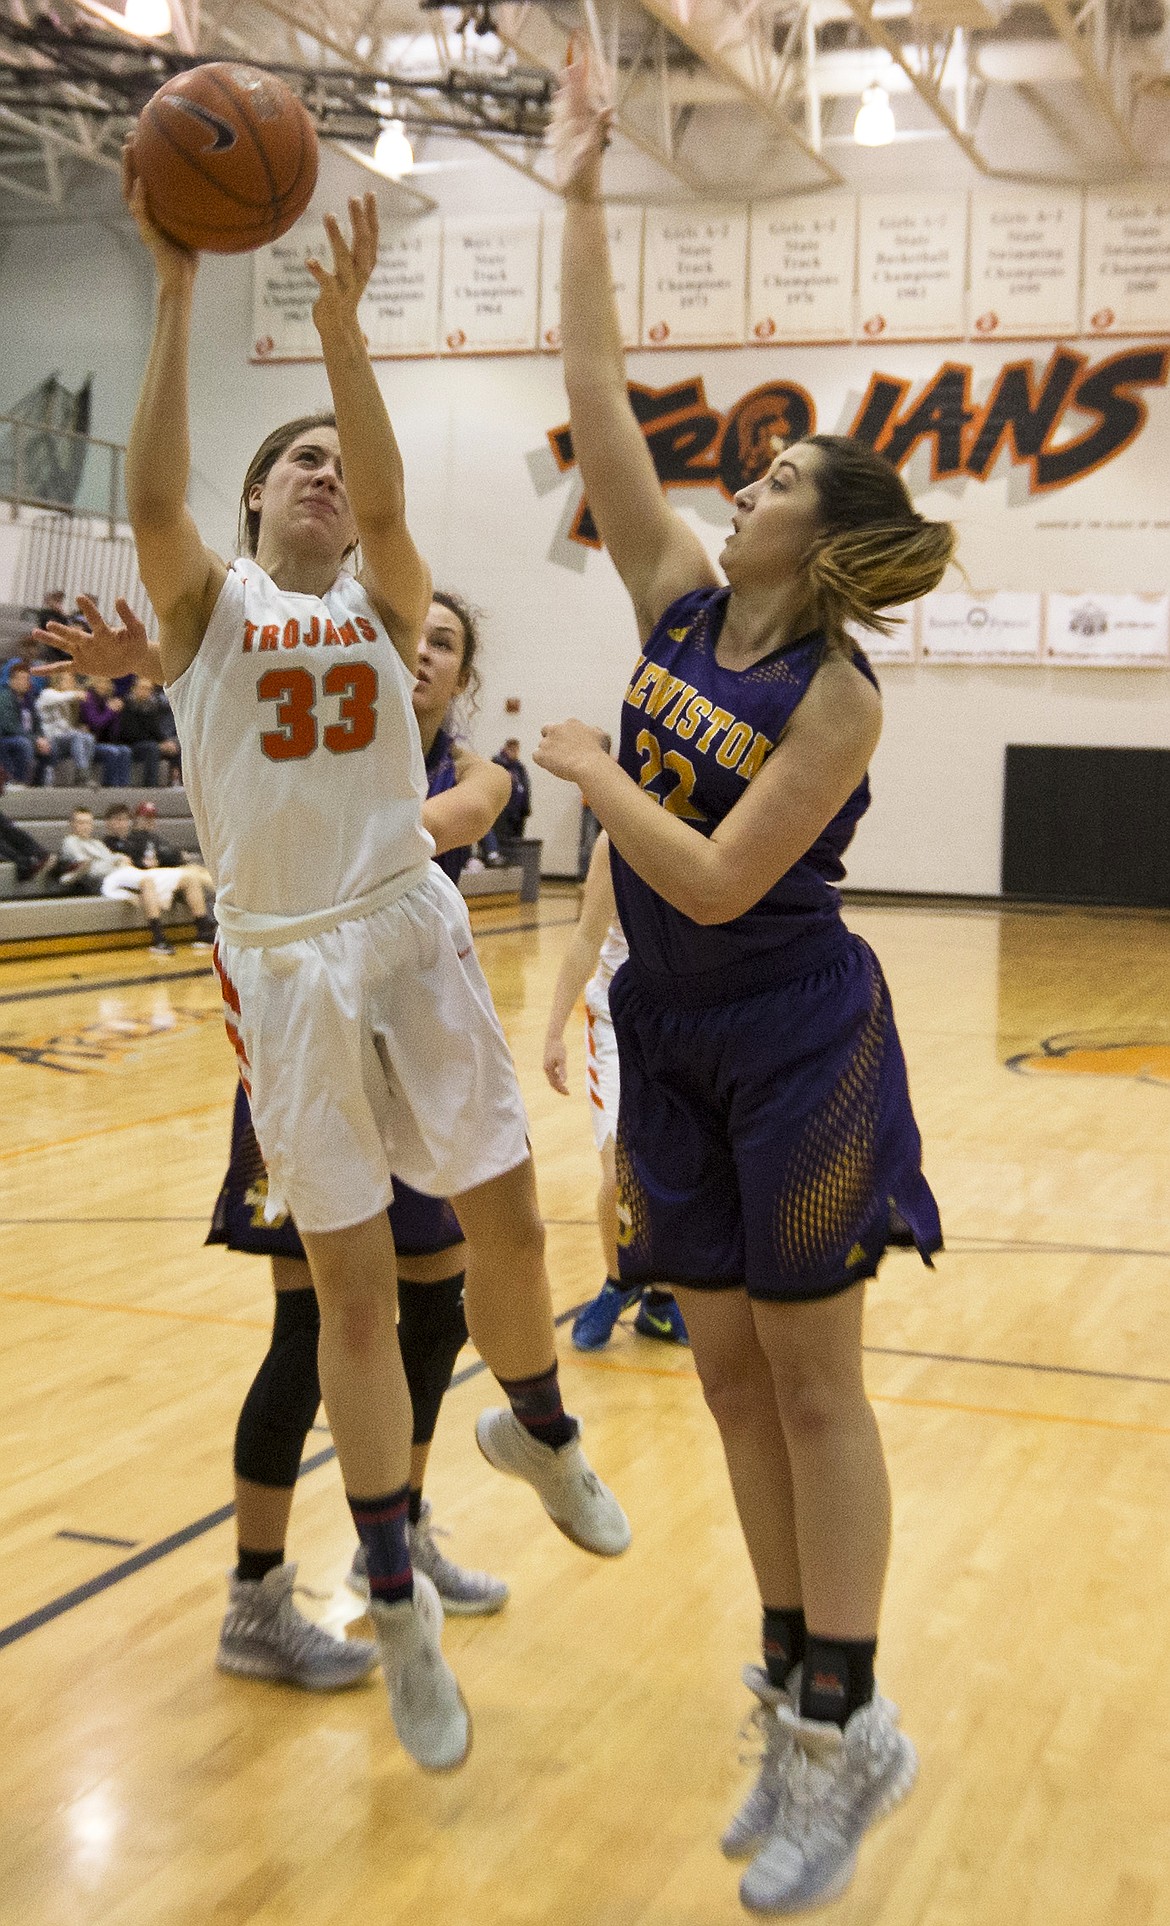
[[912, 262], [400, 308], [898, 647], [624, 227], [1108, 630], [1127, 263], [802, 266], [490, 286], [1000, 627], [695, 263], [283, 292], [1025, 264]]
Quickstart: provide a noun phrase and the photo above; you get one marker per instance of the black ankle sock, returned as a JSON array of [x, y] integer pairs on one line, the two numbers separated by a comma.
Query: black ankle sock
[[785, 1638], [837, 1678], [253, 1566], [156, 929], [537, 1404], [414, 1504]]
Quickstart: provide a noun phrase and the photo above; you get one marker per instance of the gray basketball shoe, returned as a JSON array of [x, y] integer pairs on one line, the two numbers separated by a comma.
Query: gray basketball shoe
[[766, 1742], [834, 1785], [429, 1712], [264, 1636], [464, 1593], [570, 1491]]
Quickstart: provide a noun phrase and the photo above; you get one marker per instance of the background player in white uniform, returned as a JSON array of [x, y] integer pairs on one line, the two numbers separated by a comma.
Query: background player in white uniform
[[597, 950], [359, 1014]]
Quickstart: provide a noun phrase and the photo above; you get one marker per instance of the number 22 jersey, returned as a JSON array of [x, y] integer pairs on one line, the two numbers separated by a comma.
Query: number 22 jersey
[[301, 756]]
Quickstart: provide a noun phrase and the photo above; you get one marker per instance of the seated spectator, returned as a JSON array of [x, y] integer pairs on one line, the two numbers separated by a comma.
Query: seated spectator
[[59, 712], [25, 750], [52, 610], [148, 847], [85, 860], [141, 727], [156, 887], [31, 858], [100, 709]]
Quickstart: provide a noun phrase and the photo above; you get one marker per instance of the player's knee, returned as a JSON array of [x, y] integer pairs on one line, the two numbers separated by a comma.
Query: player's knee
[[811, 1400], [734, 1389]]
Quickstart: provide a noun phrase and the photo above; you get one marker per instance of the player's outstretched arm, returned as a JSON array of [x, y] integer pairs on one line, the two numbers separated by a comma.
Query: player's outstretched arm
[[465, 813], [808, 777], [598, 910], [102, 649], [393, 573], [182, 576], [653, 550]]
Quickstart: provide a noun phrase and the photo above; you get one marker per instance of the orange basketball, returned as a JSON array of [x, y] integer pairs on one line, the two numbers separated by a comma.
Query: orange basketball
[[227, 157]]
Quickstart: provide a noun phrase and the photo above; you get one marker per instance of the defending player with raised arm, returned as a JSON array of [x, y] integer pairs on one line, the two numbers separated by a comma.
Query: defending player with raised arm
[[767, 1153], [360, 1018]]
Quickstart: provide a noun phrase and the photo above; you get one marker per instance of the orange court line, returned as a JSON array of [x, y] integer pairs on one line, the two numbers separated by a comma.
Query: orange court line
[[917, 1404], [109, 1130], [131, 1310]]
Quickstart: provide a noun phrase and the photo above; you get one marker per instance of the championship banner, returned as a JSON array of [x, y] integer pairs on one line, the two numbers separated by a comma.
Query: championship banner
[[1025, 264], [911, 266], [802, 252], [624, 230], [491, 286], [1127, 263], [694, 266]]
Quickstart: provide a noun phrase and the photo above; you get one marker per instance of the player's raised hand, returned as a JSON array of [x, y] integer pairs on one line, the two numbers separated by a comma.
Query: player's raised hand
[[111, 651], [341, 288], [173, 264], [579, 128]]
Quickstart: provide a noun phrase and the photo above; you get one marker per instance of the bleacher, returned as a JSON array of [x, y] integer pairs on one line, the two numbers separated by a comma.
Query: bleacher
[[31, 921]]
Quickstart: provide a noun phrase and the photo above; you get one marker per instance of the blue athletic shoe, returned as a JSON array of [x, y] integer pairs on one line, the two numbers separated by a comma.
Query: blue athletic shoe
[[663, 1321], [593, 1325]]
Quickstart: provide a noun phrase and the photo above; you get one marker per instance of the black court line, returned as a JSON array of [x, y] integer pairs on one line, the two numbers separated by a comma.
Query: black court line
[[1016, 1364], [1025, 1246], [175, 1540], [96, 1538], [82, 988]]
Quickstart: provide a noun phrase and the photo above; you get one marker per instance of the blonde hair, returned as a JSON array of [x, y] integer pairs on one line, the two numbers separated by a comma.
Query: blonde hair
[[875, 550]]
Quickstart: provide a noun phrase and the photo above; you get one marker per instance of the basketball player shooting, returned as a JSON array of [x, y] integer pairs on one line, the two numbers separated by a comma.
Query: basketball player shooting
[[360, 1017]]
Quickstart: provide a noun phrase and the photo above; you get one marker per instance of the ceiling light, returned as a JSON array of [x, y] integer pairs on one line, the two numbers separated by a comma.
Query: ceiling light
[[874, 126], [149, 19], [393, 153]]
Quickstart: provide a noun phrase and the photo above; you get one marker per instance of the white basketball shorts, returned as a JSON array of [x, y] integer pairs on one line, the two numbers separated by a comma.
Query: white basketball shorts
[[125, 883], [374, 1048], [601, 1064]]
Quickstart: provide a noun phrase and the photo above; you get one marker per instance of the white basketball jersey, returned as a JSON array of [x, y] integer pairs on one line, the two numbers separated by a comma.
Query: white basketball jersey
[[612, 954], [301, 755]]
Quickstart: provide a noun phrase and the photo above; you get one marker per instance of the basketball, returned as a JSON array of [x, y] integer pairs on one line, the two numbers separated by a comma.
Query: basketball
[[227, 157]]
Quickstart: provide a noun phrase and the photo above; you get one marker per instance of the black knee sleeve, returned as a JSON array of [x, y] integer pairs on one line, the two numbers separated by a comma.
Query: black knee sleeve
[[280, 1408], [432, 1331]]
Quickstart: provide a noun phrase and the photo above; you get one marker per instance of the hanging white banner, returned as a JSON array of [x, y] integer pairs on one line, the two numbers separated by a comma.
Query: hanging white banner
[[693, 276], [802, 251], [1127, 263], [1025, 264], [491, 286], [912, 261], [624, 228]]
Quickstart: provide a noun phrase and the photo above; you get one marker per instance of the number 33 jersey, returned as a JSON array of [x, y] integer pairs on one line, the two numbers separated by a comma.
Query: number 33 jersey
[[301, 753], [694, 734]]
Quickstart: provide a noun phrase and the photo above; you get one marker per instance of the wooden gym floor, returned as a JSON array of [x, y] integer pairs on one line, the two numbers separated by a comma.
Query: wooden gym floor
[[1023, 1389]]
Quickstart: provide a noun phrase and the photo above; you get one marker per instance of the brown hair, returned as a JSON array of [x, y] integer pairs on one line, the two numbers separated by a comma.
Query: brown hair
[[469, 620], [261, 465], [875, 550]]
